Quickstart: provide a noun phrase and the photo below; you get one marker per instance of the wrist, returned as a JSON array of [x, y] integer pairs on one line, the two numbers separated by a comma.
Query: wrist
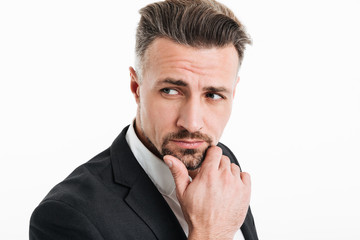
[[205, 235]]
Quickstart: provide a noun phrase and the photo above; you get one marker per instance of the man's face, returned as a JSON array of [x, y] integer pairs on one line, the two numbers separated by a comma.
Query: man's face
[[184, 98]]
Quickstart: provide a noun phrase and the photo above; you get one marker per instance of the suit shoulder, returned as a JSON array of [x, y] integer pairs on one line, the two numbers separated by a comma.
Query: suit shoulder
[[85, 182], [58, 220]]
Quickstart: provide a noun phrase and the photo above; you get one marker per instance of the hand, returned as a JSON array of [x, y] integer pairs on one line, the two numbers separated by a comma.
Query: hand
[[215, 203]]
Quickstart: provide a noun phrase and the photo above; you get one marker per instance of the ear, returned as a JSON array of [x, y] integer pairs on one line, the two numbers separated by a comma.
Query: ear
[[134, 84], [235, 85]]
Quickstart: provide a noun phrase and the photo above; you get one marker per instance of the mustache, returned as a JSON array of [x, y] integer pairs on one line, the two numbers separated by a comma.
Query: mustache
[[186, 134]]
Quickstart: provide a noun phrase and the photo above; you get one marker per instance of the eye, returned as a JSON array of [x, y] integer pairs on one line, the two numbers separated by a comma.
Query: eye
[[169, 91], [214, 96]]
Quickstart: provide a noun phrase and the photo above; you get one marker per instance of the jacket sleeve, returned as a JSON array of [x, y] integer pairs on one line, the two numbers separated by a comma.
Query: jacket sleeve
[[59, 221]]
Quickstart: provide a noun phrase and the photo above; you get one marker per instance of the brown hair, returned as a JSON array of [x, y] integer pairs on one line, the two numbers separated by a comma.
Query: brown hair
[[196, 23]]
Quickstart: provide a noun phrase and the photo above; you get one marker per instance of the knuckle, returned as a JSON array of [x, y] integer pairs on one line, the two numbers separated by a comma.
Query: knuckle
[[225, 158], [235, 168], [215, 150], [245, 175], [211, 176]]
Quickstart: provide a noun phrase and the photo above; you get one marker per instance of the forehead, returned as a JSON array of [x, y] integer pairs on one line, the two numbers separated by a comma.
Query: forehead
[[167, 59]]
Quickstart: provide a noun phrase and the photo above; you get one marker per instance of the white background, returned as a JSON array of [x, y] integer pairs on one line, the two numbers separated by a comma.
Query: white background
[[64, 97]]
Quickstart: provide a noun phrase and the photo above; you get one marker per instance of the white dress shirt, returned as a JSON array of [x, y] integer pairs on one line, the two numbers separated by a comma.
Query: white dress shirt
[[160, 175]]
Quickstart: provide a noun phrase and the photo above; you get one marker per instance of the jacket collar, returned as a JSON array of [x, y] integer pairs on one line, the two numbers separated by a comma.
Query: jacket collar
[[126, 169], [155, 168], [143, 197], [146, 200]]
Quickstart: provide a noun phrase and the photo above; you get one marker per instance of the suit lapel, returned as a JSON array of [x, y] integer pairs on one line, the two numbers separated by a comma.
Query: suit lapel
[[149, 204], [248, 228], [146, 200], [143, 197]]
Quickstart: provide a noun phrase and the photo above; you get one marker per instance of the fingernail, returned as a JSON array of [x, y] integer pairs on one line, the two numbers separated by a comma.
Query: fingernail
[[168, 162]]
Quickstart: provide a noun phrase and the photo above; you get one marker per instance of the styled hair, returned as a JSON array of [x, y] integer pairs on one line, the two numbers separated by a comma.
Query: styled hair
[[195, 23]]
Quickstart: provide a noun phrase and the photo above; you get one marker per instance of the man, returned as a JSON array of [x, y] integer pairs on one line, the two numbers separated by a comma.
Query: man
[[166, 176]]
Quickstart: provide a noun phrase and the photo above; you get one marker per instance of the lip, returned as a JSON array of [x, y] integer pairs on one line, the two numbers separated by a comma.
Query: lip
[[188, 144]]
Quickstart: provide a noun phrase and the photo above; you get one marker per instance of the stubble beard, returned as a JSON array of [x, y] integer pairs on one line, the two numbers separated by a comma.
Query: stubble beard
[[192, 158]]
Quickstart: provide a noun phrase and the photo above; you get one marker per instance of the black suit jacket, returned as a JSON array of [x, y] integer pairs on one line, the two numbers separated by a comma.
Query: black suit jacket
[[111, 197]]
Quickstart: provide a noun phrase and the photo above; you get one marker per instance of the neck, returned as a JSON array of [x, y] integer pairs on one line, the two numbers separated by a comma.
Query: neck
[[140, 134]]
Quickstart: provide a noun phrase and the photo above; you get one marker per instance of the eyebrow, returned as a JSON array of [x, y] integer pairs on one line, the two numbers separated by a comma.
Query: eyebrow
[[184, 84], [174, 82], [216, 89]]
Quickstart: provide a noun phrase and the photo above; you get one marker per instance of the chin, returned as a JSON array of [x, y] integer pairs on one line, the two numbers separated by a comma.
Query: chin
[[192, 158], [192, 161]]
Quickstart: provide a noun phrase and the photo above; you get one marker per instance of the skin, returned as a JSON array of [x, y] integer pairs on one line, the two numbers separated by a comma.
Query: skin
[[184, 102], [184, 89], [215, 203]]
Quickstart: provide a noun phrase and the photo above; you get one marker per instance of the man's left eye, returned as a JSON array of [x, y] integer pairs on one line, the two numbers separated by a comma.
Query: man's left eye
[[214, 96]]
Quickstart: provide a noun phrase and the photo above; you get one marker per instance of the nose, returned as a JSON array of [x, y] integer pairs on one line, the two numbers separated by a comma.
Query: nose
[[191, 116]]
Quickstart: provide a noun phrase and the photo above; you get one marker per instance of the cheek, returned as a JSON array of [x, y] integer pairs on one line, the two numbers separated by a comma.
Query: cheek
[[217, 123], [158, 118]]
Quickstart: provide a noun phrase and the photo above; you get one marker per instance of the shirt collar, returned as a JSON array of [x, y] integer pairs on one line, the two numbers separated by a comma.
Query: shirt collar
[[154, 167]]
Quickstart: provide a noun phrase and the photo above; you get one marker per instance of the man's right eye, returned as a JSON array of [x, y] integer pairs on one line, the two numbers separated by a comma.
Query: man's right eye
[[169, 91]]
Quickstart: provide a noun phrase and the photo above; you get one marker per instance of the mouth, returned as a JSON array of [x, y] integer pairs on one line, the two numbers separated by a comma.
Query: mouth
[[188, 143]]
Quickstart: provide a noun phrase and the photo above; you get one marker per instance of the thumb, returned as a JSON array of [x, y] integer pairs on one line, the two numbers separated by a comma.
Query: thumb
[[179, 173]]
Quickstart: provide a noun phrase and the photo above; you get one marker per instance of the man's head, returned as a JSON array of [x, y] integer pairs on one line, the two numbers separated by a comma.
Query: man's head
[[196, 23], [188, 54]]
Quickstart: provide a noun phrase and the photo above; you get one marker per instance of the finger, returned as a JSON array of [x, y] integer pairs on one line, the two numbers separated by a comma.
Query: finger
[[179, 173], [235, 170], [245, 177], [212, 159], [224, 163]]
